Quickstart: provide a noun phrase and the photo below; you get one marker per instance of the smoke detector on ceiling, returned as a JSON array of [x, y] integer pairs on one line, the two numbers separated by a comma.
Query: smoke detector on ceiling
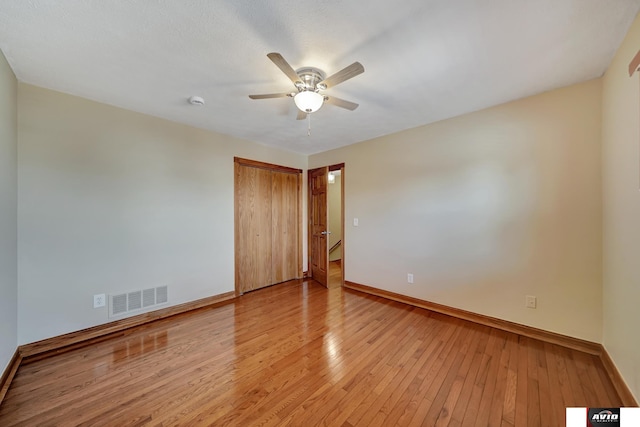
[[196, 100]]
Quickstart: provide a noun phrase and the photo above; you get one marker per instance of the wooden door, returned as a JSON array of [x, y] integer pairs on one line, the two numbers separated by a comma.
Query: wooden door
[[318, 223], [253, 228], [285, 217]]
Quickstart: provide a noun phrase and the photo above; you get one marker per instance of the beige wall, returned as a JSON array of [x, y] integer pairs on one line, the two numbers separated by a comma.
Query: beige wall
[[111, 200], [621, 205], [484, 209], [8, 212], [334, 200]]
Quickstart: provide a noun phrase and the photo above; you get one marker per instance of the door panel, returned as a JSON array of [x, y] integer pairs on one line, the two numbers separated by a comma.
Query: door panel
[[253, 254], [284, 246], [318, 223]]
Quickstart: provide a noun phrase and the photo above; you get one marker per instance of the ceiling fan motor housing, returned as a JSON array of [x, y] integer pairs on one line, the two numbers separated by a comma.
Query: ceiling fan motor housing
[[311, 77]]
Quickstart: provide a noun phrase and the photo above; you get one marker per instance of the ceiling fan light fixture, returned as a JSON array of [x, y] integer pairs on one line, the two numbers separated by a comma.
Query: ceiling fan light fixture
[[308, 101]]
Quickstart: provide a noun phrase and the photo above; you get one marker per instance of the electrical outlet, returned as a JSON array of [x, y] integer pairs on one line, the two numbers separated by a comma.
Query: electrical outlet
[[99, 300], [531, 301], [355, 222], [409, 278]]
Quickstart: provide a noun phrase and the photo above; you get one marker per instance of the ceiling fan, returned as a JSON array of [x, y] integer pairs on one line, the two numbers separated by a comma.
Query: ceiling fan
[[309, 81]]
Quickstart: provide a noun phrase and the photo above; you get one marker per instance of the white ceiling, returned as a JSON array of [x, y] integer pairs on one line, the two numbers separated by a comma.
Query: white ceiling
[[425, 60]]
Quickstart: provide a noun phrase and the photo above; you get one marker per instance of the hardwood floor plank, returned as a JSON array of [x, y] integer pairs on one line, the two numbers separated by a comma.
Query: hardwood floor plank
[[577, 390], [533, 389], [368, 363], [592, 384], [468, 385], [488, 391], [433, 349], [388, 413], [416, 406], [363, 388], [473, 406], [547, 412], [509, 403], [300, 354], [454, 390], [434, 374], [605, 380], [563, 377], [502, 375], [522, 397], [553, 380], [385, 391]]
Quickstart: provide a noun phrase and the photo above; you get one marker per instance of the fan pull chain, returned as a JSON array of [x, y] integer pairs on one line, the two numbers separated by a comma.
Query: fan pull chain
[[309, 120]]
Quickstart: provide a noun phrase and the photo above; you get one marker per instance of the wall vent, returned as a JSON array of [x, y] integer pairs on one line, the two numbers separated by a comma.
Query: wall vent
[[118, 304], [134, 300], [149, 297], [162, 295], [139, 300]]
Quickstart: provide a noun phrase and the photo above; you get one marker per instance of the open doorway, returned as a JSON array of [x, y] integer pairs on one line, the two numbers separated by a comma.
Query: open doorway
[[326, 225], [334, 212]]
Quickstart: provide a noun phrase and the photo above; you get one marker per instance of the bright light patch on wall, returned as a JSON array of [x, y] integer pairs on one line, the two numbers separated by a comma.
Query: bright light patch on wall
[[332, 178], [471, 217]]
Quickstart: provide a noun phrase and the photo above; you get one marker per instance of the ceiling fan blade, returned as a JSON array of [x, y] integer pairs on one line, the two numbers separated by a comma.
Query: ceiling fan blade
[[341, 103], [284, 66], [342, 75], [301, 115], [269, 95]]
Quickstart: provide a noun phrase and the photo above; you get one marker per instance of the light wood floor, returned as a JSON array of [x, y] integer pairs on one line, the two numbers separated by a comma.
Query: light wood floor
[[335, 274], [297, 354]]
